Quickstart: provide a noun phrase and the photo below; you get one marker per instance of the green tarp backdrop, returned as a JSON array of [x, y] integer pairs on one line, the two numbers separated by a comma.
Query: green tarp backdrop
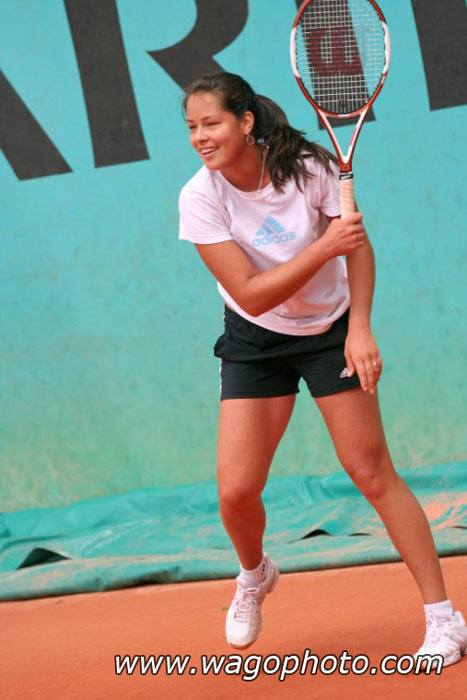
[[175, 534]]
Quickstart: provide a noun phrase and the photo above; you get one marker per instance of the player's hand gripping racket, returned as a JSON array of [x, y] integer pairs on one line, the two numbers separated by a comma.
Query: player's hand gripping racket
[[340, 53]]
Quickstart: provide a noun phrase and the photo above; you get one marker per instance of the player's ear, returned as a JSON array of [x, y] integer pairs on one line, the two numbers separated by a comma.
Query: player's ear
[[248, 121]]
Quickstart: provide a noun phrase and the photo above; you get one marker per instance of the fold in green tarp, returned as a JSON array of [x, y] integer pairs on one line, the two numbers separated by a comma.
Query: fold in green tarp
[[161, 535]]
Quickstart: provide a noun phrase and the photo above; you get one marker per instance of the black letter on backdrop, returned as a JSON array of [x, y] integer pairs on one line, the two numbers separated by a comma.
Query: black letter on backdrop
[[341, 122], [113, 117], [442, 31], [25, 144], [218, 23]]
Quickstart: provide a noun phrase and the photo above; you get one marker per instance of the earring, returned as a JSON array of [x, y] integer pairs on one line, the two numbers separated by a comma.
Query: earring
[[250, 140]]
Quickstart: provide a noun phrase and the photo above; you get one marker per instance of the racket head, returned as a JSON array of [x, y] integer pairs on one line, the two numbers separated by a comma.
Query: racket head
[[340, 53]]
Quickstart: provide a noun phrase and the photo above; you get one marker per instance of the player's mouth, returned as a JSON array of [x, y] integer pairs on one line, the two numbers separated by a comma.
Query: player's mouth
[[208, 152]]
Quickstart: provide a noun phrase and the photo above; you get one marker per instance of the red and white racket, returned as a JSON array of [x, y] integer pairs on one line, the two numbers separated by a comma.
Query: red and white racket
[[340, 53]]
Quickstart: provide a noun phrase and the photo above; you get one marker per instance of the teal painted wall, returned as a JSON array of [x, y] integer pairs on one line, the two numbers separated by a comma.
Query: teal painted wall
[[108, 380]]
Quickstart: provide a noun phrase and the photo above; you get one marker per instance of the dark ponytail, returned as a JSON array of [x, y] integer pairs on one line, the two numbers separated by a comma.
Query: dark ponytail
[[288, 149]]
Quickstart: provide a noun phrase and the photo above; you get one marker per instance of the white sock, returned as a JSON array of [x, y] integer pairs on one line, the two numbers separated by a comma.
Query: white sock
[[253, 577], [442, 609]]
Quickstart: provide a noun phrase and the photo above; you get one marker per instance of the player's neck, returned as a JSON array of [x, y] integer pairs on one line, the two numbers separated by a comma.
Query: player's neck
[[248, 174]]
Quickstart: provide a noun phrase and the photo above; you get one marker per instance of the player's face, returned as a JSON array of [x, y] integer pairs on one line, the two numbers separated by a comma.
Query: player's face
[[218, 136]]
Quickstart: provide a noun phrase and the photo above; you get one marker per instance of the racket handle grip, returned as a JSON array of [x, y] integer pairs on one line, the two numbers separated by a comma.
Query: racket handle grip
[[346, 195]]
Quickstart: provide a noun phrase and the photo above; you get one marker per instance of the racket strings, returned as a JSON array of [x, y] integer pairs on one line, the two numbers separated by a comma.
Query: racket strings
[[340, 53]]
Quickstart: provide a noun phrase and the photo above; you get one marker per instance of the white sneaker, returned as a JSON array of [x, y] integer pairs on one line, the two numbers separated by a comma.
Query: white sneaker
[[445, 636], [243, 623]]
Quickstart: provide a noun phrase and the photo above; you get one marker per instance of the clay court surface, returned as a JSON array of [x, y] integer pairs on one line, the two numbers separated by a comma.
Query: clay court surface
[[62, 648]]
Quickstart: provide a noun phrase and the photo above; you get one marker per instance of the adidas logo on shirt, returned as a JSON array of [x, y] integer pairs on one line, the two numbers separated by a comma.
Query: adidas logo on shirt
[[272, 232]]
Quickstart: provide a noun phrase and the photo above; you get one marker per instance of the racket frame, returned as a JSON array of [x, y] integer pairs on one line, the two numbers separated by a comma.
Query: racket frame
[[345, 161]]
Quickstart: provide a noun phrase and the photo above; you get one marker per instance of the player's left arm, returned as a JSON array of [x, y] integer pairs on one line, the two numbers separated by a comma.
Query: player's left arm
[[361, 350]]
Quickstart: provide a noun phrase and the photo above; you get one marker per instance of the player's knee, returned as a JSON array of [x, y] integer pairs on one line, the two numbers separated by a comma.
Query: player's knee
[[369, 483], [373, 478], [235, 497]]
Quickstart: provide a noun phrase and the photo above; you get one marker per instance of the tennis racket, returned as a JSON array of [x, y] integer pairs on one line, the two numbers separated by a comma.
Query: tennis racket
[[340, 52]]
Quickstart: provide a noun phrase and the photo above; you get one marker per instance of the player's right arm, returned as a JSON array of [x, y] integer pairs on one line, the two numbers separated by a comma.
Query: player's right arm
[[257, 292]]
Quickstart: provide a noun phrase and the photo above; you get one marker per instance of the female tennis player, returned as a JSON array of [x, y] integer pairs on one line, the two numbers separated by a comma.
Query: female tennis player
[[264, 214]]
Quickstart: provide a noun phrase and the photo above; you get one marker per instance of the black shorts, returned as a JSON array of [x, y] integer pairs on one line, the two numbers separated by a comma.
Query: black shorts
[[259, 363]]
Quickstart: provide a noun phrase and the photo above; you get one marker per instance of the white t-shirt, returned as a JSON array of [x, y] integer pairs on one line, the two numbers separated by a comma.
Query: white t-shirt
[[272, 227]]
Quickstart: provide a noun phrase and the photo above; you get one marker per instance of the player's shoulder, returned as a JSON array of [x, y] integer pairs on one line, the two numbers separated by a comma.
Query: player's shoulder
[[203, 184], [316, 167]]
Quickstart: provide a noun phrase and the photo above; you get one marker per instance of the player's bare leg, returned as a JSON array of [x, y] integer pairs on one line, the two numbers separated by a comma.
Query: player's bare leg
[[354, 421], [249, 433]]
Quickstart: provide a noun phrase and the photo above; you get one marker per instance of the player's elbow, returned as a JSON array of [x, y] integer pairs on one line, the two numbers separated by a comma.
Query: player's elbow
[[252, 301], [251, 306], [245, 295], [254, 310], [256, 306]]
